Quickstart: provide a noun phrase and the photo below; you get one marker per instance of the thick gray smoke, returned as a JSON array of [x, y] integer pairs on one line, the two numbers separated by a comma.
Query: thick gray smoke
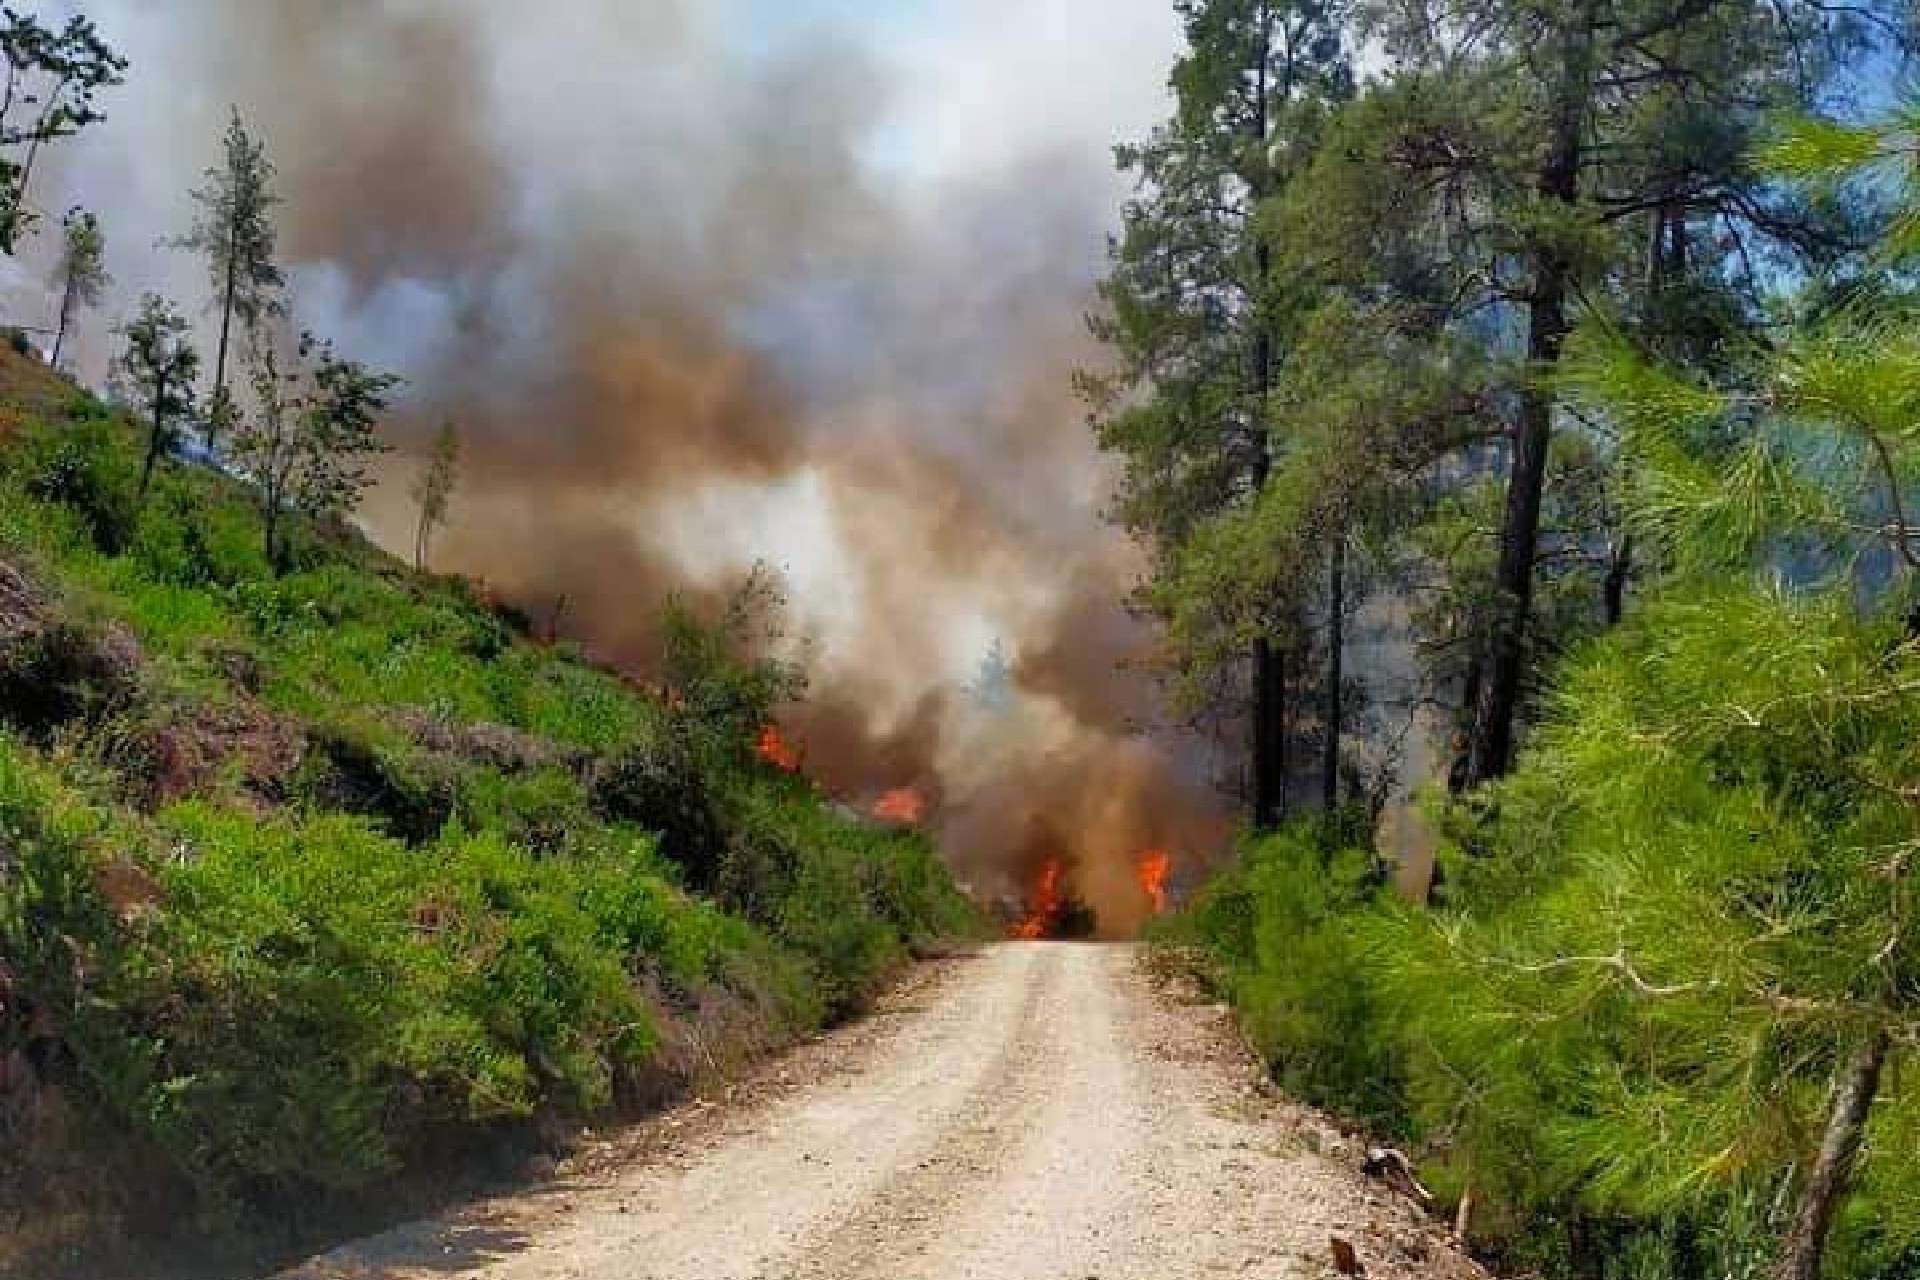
[[712, 283]]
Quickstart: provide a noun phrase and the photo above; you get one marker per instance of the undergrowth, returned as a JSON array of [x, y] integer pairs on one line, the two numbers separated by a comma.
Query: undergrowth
[[303, 871]]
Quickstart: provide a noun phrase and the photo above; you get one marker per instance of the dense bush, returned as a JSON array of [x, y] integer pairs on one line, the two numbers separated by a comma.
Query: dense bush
[[1294, 935], [658, 784], [87, 467], [850, 898], [286, 1003], [1663, 940], [296, 1002]]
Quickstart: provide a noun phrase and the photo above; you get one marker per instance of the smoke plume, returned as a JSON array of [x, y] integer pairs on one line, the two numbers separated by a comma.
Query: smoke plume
[[711, 284]]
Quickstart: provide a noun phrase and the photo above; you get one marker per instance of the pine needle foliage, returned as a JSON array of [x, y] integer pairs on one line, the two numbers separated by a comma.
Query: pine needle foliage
[[1681, 935]]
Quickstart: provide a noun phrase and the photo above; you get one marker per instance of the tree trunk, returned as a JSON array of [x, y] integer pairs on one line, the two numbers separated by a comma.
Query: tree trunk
[[66, 318], [273, 489], [217, 411], [1269, 734], [1269, 671], [1826, 1182], [1460, 744], [157, 438], [1269, 665], [1490, 753], [1283, 721], [1336, 644], [272, 523]]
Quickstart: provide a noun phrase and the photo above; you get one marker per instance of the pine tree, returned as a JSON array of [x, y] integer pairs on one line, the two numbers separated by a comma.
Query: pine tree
[[1192, 328], [1549, 146], [81, 275], [158, 368], [1703, 901], [234, 230]]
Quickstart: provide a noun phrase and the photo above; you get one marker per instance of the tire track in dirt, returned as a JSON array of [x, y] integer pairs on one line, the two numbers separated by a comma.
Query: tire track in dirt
[[907, 1214]]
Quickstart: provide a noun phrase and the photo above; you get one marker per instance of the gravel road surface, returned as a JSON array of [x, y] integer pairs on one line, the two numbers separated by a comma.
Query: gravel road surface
[[1038, 1111]]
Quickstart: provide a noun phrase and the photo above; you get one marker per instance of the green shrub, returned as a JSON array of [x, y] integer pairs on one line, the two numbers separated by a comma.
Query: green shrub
[[190, 535], [368, 768], [88, 466], [541, 810], [1294, 936], [848, 897], [304, 997], [659, 785], [829, 917]]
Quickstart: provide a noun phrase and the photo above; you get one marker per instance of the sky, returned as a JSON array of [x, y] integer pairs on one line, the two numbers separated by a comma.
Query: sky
[[707, 282]]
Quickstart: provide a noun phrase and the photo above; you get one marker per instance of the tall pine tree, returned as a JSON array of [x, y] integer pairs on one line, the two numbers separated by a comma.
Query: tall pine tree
[[1193, 328], [234, 231]]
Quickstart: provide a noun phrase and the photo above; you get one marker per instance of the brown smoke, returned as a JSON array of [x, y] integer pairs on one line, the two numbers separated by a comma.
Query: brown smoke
[[645, 273]]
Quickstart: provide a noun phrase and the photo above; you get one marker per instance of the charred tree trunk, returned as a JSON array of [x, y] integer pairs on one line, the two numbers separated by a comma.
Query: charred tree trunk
[[1490, 753], [1826, 1183], [1336, 644]]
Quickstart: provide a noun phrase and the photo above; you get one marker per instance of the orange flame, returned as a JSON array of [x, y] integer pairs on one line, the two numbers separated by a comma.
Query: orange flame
[[1151, 871], [1043, 908], [776, 750], [902, 804]]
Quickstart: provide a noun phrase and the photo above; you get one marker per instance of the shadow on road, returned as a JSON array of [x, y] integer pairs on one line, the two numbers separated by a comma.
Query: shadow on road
[[417, 1248]]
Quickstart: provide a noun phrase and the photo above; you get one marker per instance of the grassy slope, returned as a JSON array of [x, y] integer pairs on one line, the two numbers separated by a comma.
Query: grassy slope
[[306, 878]]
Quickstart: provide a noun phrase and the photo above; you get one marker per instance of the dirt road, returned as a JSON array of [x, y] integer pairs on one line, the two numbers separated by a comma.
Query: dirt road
[[1041, 1111]]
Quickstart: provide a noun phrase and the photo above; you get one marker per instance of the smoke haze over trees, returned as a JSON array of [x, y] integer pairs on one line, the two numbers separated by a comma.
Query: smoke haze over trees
[[754, 287]]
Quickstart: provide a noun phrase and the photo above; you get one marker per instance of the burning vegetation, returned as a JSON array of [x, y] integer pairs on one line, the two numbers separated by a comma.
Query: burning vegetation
[[1045, 903], [774, 747], [1151, 872], [902, 805], [1054, 908]]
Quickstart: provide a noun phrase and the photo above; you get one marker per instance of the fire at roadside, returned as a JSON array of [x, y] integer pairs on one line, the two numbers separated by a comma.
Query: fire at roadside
[[1053, 909], [1051, 906]]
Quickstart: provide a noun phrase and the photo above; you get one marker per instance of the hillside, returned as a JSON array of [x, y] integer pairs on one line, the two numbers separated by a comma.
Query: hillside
[[313, 881]]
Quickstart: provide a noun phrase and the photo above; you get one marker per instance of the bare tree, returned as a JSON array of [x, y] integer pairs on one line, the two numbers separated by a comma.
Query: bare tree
[[433, 489]]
